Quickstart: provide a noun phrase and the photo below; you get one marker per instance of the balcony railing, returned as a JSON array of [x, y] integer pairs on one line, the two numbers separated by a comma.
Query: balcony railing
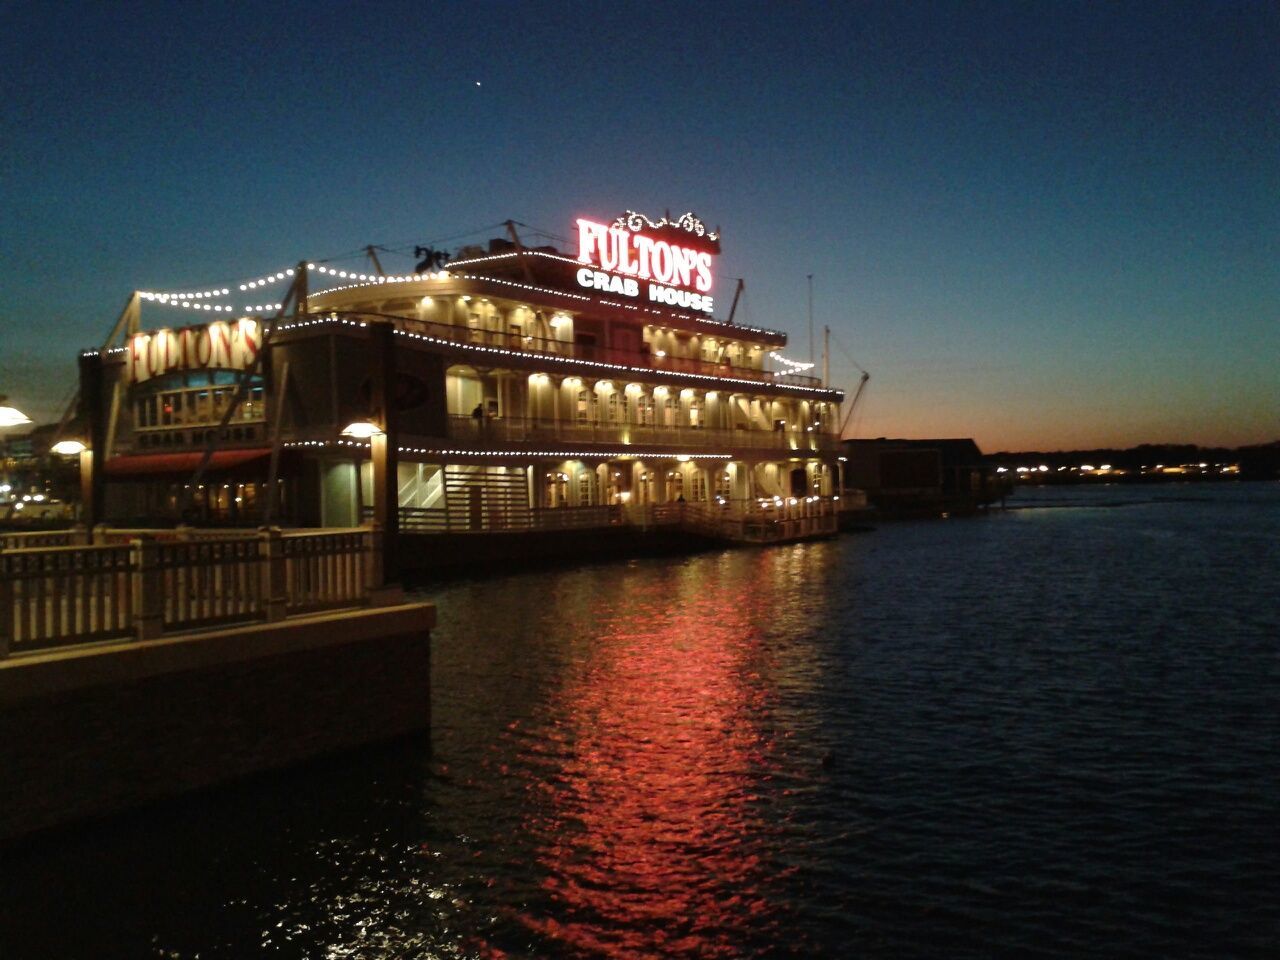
[[481, 430], [520, 343]]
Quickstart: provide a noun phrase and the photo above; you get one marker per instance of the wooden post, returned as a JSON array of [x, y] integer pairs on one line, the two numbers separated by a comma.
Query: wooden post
[[93, 458], [275, 596], [281, 386], [6, 612], [148, 590], [372, 559], [384, 448]]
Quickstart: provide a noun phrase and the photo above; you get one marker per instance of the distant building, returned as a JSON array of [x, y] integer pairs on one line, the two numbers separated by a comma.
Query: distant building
[[922, 476]]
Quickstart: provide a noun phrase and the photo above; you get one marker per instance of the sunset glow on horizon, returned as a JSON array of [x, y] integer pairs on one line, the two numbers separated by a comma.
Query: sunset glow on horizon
[[1044, 227]]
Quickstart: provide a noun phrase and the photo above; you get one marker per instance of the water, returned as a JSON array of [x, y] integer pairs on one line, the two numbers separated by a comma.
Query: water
[[1051, 732]]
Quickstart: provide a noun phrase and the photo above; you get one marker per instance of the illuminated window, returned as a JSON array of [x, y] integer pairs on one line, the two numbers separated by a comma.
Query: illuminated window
[[667, 411], [724, 485], [698, 488], [585, 488], [557, 490], [695, 412]]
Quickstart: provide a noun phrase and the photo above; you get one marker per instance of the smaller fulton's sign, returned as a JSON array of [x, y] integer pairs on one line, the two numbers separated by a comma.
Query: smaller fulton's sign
[[672, 258], [218, 345]]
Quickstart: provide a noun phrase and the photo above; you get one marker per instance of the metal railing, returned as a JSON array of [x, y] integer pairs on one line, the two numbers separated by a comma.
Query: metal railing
[[752, 521], [528, 430], [462, 520], [42, 538], [59, 595], [575, 518]]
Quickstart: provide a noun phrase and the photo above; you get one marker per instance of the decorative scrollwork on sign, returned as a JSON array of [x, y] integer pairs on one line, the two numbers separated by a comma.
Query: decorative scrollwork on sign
[[687, 221], [634, 221]]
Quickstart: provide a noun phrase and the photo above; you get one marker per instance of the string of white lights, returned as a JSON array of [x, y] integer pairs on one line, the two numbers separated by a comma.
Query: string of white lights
[[561, 454], [371, 279], [794, 366], [268, 279], [197, 295], [214, 293], [217, 307], [165, 301]]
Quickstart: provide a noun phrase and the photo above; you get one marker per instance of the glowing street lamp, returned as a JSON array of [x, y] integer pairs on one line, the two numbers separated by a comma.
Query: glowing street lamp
[[11, 416], [362, 430]]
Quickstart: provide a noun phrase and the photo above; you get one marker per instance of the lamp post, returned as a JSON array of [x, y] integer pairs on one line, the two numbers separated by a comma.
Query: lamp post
[[94, 421], [78, 448], [381, 430], [385, 448]]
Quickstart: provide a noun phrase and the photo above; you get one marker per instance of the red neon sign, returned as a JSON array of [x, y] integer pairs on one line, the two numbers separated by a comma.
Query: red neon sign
[[635, 254], [672, 258]]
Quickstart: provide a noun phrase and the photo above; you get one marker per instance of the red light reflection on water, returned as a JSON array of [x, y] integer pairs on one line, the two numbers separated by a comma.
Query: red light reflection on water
[[646, 822]]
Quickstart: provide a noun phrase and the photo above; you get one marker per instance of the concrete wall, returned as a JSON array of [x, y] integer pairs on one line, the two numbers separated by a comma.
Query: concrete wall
[[88, 731]]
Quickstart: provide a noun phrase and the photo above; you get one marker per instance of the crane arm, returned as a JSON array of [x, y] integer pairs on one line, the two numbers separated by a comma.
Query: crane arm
[[862, 385]]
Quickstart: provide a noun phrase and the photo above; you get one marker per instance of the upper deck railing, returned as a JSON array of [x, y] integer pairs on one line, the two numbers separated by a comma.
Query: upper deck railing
[[527, 430], [524, 344]]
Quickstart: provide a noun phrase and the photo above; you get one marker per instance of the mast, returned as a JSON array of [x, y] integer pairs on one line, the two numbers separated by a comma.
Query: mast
[[811, 360], [520, 255], [737, 295], [826, 356]]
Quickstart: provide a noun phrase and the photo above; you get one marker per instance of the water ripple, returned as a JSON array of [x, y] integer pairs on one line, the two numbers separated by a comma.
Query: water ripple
[[1049, 733]]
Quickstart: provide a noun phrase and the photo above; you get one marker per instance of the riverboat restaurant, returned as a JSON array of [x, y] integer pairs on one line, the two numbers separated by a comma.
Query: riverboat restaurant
[[505, 389]]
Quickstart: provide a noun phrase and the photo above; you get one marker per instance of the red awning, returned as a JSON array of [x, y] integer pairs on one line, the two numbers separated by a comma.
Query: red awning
[[145, 464]]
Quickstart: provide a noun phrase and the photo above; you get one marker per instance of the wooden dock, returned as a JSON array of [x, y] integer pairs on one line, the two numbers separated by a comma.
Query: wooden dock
[[151, 662]]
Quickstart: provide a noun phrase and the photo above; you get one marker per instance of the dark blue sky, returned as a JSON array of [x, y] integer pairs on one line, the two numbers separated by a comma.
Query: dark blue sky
[[1040, 225]]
